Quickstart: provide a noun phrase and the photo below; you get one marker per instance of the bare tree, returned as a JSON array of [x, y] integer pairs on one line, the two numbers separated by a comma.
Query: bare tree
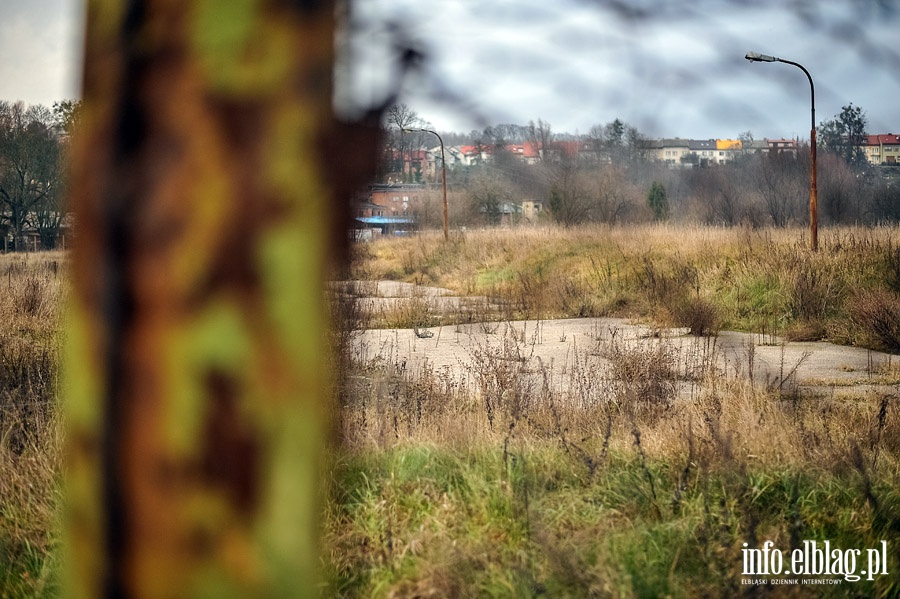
[[782, 180], [568, 200], [50, 213], [29, 165], [487, 196], [721, 196], [884, 203], [402, 121], [839, 189], [541, 136], [617, 142], [596, 142], [746, 138], [611, 195]]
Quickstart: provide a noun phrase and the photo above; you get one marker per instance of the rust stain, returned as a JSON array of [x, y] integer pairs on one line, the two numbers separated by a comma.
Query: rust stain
[[233, 267], [153, 128], [230, 458]]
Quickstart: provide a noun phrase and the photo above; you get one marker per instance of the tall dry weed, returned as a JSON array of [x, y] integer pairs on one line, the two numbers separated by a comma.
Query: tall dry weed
[[642, 438], [30, 432]]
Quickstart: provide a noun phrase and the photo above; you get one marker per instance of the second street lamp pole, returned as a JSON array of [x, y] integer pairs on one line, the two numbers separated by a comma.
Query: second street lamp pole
[[443, 175], [813, 192]]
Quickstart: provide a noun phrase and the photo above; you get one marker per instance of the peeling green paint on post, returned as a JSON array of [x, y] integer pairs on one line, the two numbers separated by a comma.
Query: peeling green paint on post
[[240, 50], [215, 340]]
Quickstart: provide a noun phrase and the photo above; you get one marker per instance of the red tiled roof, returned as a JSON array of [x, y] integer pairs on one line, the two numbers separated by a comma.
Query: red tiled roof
[[882, 138], [526, 150], [473, 150]]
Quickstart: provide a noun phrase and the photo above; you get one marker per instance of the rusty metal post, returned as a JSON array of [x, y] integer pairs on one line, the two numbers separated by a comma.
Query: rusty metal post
[[444, 187], [813, 193], [197, 378], [446, 229]]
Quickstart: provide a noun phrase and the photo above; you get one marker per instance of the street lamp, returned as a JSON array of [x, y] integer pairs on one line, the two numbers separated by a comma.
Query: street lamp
[[813, 195], [443, 173]]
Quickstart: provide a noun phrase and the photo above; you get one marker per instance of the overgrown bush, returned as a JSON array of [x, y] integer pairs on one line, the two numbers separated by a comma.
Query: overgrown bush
[[875, 318], [644, 375], [699, 315], [814, 291]]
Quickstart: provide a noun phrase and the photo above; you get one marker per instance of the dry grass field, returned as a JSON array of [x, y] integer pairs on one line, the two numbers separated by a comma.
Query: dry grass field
[[502, 485], [31, 292], [506, 484], [761, 280]]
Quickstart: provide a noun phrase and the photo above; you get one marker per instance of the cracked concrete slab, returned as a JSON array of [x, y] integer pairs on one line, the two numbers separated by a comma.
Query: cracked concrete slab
[[561, 348]]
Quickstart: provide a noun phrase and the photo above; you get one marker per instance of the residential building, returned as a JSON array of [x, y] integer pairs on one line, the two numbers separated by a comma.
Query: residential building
[[528, 152], [410, 163], [670, 151], [472, 155], [703, 152], [531, 210], [395, 199], [679, 152], [728, 149], [574, 150], [776, 146], [883, 149], [386, 209], [757, 146]]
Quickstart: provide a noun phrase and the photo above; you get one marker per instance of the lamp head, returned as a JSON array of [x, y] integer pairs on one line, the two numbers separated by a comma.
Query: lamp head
[[757, 57]]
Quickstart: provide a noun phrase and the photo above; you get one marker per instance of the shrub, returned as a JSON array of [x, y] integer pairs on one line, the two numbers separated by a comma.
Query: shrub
[[699, 315], [645, 375], [813, 290], [875, 317]]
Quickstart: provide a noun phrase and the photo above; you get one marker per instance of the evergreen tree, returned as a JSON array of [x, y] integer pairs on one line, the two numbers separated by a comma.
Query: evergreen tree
[[845, 135], [658, 201]]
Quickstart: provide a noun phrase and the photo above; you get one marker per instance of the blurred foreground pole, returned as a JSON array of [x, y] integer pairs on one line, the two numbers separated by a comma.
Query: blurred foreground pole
[[197, 379]]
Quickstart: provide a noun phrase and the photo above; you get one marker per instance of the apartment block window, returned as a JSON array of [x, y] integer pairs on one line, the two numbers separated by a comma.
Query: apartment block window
[[395, 198]]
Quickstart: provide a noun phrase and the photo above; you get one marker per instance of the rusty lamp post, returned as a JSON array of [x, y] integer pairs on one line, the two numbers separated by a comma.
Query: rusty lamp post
[[443, 173], [813, 196]]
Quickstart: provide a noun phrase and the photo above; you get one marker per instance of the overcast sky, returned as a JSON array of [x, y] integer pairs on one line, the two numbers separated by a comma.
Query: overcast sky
[[669, 67], [40, 50]]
